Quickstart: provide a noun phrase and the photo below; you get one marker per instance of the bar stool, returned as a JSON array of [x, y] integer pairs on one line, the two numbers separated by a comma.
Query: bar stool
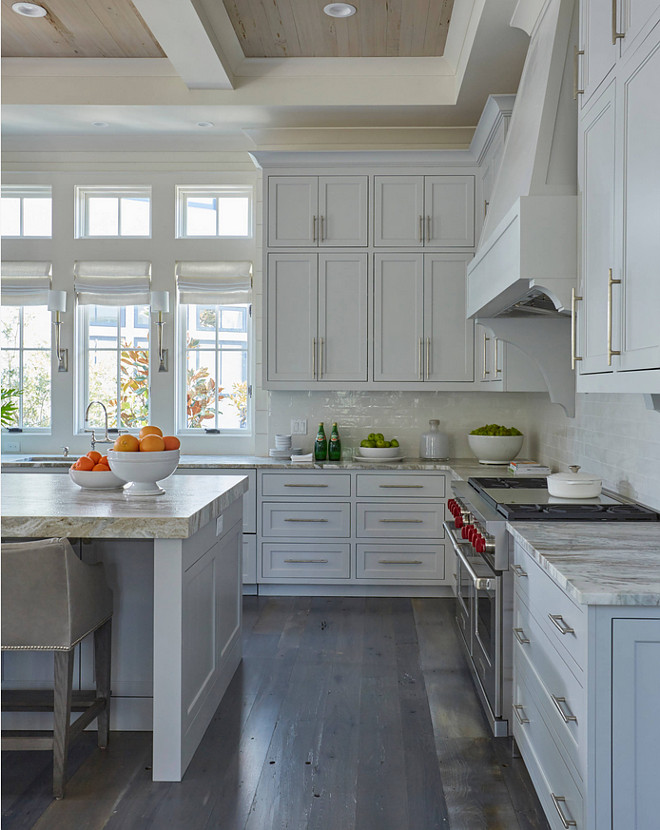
[[51, 600]]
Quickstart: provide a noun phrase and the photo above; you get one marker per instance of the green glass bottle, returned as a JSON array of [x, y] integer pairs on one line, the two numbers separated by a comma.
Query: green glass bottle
[[334, 451], [320, 445]]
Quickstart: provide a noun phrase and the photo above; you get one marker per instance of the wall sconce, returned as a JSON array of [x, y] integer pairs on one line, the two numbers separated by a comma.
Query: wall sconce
[[160, 304], [57, 303]]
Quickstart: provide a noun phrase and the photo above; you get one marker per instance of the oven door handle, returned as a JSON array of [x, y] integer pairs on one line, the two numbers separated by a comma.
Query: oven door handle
[[481, 583]]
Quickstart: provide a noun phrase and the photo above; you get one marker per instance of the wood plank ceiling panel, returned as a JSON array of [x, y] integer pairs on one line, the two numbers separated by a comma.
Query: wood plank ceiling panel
[[78, 29], [300, 29]]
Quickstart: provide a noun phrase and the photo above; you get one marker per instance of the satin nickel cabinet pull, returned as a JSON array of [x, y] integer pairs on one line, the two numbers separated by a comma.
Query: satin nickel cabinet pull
[[518, 571], [574, 356], [322, 233], [421, 229], [485, 370], [496, 357], [314, 229], [401, 486], [420, 358], [429, 229], [305, 520], [520, 635], [616, 35], [402, 521], [400, 562], [428, 358], [520, 714], [486, 206], [610, 350], [558, 701], [558, 800], [560, 624], [313, 358], [576, 58], [321, 356], [306, 561], [306, 485]]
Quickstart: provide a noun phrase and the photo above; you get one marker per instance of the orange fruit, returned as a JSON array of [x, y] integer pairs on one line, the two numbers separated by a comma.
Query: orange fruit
[[126, 443], [84, 463], [152, 443], [150, 431], [94, 455], [101, 468], [171, 442], [104, 460]]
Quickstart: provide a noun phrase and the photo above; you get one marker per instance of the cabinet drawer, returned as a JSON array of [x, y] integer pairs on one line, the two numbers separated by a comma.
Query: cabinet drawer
[[399, 486], [400, 520], [402, 562], [297, 561], [562, 620], [554, 784], [317, 485], [563, 697], [305, 519]]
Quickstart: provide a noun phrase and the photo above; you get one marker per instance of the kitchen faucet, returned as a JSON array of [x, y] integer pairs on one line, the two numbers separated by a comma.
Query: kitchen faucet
[[106, 438]]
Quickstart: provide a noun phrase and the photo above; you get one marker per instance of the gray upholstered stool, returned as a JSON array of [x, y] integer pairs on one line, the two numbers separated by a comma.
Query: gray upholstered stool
[[50, 602]]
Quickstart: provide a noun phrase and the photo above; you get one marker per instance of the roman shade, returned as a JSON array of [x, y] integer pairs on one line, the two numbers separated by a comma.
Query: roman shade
[[25, 283], [214, 283], [112, 283]]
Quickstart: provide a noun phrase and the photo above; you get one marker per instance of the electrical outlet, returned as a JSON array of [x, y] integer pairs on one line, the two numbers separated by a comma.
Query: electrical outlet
[[298, 426], [11, 446]]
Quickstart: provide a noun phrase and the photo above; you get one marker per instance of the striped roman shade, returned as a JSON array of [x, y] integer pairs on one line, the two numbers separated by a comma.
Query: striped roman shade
[[112, 283], [214, 283], [25, 283]]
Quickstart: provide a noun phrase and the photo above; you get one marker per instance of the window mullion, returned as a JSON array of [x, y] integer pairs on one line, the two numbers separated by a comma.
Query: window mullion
[[217, 366], [118, 375]]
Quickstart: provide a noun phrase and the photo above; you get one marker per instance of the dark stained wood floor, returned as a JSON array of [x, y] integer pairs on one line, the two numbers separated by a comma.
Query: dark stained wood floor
[[345, 714]]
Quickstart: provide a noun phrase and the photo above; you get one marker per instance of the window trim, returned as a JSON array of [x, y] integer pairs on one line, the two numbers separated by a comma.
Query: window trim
[[82, 196], [183, 192], [23, 192], [182, 363]]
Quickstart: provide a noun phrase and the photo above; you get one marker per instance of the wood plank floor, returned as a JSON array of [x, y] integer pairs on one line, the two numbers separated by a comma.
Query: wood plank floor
[[345, 714]]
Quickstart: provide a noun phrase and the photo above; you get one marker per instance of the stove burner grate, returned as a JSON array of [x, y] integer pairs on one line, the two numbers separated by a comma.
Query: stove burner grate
[[578, 512]]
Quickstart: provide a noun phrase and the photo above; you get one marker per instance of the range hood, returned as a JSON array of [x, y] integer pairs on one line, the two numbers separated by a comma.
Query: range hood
[[527, 254]]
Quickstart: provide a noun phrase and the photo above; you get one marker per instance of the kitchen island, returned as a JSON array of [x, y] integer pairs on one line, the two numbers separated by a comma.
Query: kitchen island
[[173, 562]]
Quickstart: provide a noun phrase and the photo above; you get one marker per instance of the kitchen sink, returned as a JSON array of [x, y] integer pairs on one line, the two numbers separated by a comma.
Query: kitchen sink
[[60, 457]]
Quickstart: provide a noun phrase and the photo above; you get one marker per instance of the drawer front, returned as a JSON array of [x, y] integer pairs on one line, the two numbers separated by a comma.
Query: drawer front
[[317, 485], [400, 486], [401, 562], [400, 520], [305, 519], [563, 697], [295, 561], [563, 621], [558, 792]]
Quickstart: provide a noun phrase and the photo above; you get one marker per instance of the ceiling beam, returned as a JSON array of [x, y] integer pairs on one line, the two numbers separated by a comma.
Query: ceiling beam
[[186, 37]]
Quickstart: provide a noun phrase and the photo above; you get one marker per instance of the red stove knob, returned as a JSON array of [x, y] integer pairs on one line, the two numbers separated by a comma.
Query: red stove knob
[[465, 533], [451, 504], [476, 535], [458, 521], [480, 544], [471, 531]]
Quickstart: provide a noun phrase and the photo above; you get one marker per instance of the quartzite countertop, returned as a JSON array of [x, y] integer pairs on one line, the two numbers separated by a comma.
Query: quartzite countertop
[[599, 563], [52, 505]]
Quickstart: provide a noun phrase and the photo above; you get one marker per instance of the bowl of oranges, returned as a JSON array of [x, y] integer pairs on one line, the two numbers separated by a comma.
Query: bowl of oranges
[[92, 472], [144, 460]]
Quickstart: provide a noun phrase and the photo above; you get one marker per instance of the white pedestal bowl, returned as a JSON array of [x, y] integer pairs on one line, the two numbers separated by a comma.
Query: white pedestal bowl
[[143, 470]]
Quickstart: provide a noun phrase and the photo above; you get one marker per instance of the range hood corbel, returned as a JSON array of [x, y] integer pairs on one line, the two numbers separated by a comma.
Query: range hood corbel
[[546, 341]]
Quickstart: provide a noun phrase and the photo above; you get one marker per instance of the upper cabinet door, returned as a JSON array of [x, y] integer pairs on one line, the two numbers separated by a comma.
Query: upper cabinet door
[[639, 105], [293, 211], [342, 350], [636, 18], [291, 325], [399, 211], [449, 211], [596, 42], [342, 211], [399, 317], [597, 177], [448, 335]]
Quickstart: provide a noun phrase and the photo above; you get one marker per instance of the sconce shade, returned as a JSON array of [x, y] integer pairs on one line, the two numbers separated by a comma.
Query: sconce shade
[[57, 301], [160, 301]]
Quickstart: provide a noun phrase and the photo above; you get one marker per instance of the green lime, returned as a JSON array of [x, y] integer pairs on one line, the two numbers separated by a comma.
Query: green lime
[[394, 443]]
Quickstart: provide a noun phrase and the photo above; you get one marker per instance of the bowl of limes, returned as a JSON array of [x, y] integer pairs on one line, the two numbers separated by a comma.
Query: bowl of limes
[[375, 445], [495, 444]]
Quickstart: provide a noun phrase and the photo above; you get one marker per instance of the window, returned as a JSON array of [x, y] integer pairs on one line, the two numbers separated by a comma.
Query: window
[[26, 211], [113, 212], [25, 342], [113, 315], [215, 391], [214, 212]]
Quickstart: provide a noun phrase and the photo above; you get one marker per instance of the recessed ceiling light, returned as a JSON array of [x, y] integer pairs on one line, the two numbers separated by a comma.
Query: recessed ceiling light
[[205, 124], [100, 124], [339, 10], [29, 9]]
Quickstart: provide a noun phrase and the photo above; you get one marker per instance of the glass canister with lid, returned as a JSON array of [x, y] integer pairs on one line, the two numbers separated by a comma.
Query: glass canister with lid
[[434, 444]]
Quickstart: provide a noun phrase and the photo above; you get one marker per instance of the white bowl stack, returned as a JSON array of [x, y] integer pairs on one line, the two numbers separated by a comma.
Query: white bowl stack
[[282, 448]]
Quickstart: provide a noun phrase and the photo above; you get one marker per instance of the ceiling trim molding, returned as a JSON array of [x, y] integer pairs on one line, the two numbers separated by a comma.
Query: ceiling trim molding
[[360, 139], [358, 158]]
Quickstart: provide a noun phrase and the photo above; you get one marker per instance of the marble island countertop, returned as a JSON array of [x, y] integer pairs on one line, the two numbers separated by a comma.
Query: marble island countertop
[[52, 505], [600, 563]]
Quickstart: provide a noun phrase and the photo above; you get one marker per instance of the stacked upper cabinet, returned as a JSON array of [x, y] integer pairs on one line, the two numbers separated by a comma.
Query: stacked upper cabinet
[[617, 343]]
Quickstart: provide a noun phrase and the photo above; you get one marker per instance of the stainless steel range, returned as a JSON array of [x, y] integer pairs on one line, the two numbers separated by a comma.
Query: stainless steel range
[[483, 584]]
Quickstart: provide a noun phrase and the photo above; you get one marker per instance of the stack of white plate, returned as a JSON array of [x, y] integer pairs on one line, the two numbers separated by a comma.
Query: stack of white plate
[[276, 453]]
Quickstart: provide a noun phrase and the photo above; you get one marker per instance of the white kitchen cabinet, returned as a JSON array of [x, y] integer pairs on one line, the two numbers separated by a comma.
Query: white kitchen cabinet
[[418, 211], [317, 318], [619, 167], [421, 333], [599, 52], [503, 367], [312, 211]]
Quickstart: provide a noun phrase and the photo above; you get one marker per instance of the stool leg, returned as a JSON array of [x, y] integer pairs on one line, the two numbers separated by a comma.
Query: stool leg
[[61, 717], [102, 653]]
